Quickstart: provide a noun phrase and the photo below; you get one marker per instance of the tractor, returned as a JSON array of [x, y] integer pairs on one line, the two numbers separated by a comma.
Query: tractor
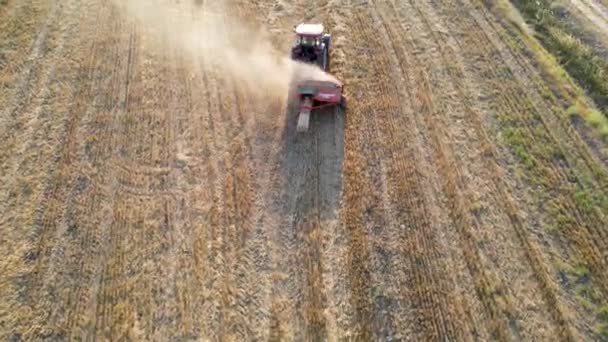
[[312, 47]]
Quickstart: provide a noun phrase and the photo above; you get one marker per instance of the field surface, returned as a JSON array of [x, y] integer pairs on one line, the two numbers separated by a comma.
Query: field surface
[[149, 193]]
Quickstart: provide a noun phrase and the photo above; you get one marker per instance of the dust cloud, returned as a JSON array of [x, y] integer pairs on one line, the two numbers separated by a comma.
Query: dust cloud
[[222, 42]]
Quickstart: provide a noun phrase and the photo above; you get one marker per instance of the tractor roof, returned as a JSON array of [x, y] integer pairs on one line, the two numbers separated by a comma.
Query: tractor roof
[[309, 29]]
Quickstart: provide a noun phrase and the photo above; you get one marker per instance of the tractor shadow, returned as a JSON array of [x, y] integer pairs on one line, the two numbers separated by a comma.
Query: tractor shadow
[[307, 202], [311, 167]]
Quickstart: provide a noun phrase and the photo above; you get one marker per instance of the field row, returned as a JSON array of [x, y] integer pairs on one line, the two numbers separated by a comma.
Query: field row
[[148, 192]]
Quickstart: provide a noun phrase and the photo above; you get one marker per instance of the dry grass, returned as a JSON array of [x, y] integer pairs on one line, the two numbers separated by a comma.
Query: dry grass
[[152, 195]]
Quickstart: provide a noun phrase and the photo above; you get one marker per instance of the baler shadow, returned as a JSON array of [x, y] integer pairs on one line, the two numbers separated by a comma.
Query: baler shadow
[[311, 167], [307, 204]]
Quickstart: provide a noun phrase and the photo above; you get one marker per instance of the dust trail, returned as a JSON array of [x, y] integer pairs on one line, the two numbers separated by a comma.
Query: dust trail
[[235, 50]]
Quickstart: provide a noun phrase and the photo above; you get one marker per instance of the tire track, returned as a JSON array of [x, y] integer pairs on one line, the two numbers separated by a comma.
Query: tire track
[[237, 190], [261, 122], [308, 218], [249, 270], [300, 301], [26, 67], [232, 229], [99, 153], [184, 106], [204, 204], [48, 214], [79, 242], [195, 160], [22, 29], [25, 188], [357, 308], [202, 208], [113, 313], [336, 255], [155, 175], [164, 109], [310, 306], [294, 205], [217, 290], [21, 117], [186, 285]]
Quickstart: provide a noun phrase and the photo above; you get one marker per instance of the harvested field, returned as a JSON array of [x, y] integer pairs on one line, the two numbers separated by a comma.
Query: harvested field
[[153, 187]]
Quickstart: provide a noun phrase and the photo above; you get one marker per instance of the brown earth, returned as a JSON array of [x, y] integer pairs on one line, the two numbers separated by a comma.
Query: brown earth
[[150, 193]]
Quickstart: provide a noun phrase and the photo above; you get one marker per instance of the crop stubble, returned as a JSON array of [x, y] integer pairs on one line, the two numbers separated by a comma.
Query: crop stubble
[[144, 195]]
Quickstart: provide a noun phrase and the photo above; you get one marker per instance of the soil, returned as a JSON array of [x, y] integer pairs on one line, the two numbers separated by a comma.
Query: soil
[[153, 187]]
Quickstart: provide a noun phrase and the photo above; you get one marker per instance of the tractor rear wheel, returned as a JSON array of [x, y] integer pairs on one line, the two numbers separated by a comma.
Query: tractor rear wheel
[[326, 54]]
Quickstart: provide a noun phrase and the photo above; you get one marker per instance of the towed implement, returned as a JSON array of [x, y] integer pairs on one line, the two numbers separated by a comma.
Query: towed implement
[[314, 95], [312, 47]]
